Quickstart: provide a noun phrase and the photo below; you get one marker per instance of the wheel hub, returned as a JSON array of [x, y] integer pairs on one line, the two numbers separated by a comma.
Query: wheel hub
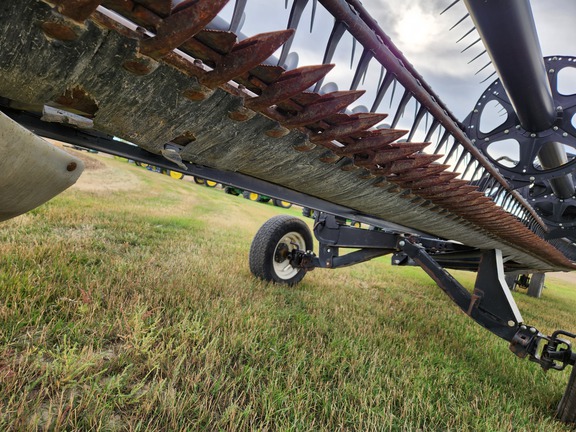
[[282, 252]]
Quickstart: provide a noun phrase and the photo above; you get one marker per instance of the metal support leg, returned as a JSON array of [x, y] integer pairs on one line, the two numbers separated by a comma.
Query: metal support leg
[[511, 281], [491, 305], [332, 233], [536, 285]]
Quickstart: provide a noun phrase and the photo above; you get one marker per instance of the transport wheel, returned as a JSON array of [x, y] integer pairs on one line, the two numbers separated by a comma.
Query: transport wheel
[[176, 175], [307, 212], [280, 203], [231, 190], [252, 196], [199, 180], [272, 244], [567, 408], [210, 183]]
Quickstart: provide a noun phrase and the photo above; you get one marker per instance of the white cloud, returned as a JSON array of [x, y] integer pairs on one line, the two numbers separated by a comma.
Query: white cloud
[[423, 35]]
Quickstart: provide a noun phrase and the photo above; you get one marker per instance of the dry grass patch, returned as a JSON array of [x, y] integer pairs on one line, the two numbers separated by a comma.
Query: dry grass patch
[[135, 310]]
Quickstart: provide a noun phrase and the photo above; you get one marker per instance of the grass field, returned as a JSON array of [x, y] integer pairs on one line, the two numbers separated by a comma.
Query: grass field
[[126, 304]]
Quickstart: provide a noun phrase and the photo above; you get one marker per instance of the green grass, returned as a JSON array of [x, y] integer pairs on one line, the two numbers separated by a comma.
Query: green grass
[[135, 310]]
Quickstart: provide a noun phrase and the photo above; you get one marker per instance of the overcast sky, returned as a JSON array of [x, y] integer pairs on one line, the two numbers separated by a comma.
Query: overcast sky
[[425, 39], [423, 35]]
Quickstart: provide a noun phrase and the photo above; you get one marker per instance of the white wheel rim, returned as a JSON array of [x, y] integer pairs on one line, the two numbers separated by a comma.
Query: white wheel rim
[[283, 269]]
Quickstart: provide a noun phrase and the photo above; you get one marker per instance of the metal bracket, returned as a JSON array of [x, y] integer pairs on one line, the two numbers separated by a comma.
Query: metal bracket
[[492, 306], [480, 305], [332, 233]]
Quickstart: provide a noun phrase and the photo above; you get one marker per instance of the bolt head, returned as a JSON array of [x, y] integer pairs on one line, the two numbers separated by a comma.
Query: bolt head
[[402, 243]]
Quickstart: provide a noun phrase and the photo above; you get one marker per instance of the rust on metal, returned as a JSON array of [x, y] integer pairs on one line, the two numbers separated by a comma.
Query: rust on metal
[[246, 55], [241, 114], [374, 140], [78, 10], [420, 173], [59, 31], [439, 190], [197, 93], [329, 157], [397, 151], [140, 65], [217, 41], [289, 84], [177, 7], [278, 131], [407, 164], [348, 165], [436, 180], [77, 100], [145, 18], [304, 99], [123, 7], [400, 166], [464, 196], [325, 106], [181, 26], [354, 124], [267, 74], [159, 7]]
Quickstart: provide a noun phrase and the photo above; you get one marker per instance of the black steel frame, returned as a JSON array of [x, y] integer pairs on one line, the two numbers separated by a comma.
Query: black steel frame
[[490, 305], [104, 143]]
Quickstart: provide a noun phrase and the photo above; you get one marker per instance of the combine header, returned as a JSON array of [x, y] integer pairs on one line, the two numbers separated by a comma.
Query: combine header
[[197, 96]]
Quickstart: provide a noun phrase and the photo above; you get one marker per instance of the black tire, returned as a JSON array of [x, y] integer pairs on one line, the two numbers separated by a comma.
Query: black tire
[[199, 180], [566, 411], [307, 212], [210, 183], [230, 190], [280, 203], [252, 196], [271, 244]]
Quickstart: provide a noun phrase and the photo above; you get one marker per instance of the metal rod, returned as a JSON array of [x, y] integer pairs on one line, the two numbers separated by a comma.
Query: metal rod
[[509, 35]]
